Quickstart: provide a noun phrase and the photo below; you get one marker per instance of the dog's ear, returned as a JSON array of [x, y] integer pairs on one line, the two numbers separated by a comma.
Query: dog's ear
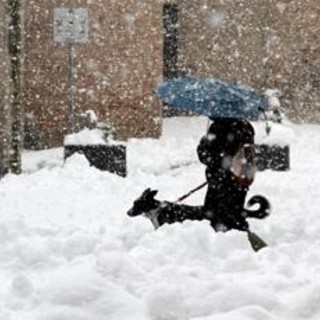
[[146, 192], [153, 193]]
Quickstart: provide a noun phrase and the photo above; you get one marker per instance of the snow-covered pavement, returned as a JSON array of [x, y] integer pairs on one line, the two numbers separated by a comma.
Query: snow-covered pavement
[[68, 250]]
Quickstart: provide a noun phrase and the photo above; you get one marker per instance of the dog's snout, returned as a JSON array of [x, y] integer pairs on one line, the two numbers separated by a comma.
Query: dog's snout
[[131, 213]]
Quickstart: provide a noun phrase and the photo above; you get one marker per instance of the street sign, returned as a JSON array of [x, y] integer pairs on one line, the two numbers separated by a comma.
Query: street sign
[[71, 25]]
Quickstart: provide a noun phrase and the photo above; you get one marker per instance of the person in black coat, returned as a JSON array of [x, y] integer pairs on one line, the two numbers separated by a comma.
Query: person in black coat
[[227, 152]]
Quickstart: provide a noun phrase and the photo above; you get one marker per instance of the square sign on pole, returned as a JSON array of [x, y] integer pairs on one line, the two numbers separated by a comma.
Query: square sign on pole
[[71, 25]]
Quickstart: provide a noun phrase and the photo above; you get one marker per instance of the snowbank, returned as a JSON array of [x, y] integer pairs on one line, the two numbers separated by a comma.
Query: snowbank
[[281, 134], [68, 250]]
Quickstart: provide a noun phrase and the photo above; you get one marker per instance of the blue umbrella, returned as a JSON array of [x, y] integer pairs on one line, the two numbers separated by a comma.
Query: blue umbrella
[[212, 97]]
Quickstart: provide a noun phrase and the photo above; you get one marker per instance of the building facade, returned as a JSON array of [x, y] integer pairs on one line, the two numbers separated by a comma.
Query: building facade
[[132, 45], [262, 43]]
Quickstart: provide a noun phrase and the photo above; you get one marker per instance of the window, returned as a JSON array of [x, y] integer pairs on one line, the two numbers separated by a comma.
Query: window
[[171, 37]]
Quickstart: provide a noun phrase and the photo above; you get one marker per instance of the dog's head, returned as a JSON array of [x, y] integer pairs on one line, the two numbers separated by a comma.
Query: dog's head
[[144, 203]]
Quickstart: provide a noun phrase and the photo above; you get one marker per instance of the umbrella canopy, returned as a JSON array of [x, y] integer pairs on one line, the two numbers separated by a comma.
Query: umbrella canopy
[[212, 97]]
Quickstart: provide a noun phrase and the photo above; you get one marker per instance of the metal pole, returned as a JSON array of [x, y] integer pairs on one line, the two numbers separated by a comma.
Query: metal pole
[[72, 87]]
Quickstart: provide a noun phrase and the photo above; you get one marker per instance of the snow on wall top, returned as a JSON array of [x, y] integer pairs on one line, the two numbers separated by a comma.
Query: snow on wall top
[[85, 137]]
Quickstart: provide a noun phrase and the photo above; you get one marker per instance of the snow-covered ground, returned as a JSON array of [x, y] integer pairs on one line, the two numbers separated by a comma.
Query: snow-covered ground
[[68, 250]]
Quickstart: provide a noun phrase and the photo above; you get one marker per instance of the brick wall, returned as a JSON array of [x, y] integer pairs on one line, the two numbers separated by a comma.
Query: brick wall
[[222, 40], [262, 43], [116, 70], [294, 62]]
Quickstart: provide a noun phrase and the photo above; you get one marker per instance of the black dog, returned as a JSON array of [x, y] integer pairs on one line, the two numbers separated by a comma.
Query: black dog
[[161, 212]]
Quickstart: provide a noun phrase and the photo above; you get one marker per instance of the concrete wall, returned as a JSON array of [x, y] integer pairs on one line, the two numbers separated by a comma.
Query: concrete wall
[[116, 71], [5, 124]]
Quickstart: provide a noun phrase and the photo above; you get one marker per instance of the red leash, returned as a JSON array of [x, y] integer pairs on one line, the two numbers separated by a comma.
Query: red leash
[[191, 192]]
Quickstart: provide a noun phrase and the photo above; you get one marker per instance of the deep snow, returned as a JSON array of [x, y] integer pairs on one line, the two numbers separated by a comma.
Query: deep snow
[[68, 250]]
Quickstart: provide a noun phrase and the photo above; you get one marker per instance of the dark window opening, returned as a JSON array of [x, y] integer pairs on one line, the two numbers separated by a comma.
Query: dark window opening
[[171, 37]]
